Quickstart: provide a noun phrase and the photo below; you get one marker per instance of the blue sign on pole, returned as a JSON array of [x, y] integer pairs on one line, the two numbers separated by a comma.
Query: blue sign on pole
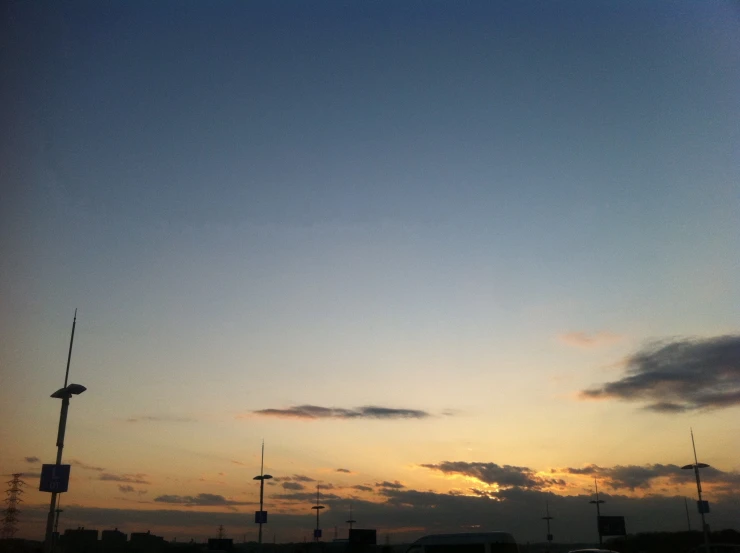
[[260, 517], [54, 478], [703, 506], [317, 532]]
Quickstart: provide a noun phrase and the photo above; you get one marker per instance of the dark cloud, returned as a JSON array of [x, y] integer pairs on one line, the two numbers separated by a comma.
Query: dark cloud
[[490, 473], [309, 497], [303, 478], [200, 500], [634, 477], [127, 478], [345, 470], [85, 466], [311, 412], [295, 486], [362, 488], [680, 375], [32, 460], [160, 418], [407, 514], [392, 485]]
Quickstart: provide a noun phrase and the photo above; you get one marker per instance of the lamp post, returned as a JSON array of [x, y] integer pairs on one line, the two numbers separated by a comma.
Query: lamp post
[[64, 394], [598, 502], [702, 505], [262, 477], [351, 520], [317, 531], [548, 518]]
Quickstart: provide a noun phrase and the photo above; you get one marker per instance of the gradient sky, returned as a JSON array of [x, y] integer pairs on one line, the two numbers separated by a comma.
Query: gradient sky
[[474, 210]]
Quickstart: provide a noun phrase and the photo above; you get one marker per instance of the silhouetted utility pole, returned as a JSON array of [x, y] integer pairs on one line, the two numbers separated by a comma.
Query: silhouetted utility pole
[[548, 518], [701, 504], [351, 521], [317, 531], [262, 515], [598, 502]]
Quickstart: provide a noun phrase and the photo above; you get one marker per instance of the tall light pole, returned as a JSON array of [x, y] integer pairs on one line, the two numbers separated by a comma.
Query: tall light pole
[[548, 518], [351, 520], [702, 505], [317, 531], [64, 394], [262, 515], [598, 502]]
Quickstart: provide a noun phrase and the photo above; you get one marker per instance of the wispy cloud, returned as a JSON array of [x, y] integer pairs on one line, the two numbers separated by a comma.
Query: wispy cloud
[[130, 489], [126, 478], [505, 476], [586, 340], [32, 460], [85, 466], [200, 500], [344, 470], [390, 485], [634, 477], [679, 375], [362, 488], [312, 412], [305, 496], [295, 486]]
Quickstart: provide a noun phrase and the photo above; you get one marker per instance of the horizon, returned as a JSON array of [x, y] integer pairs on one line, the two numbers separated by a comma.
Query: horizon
[[450, 260]]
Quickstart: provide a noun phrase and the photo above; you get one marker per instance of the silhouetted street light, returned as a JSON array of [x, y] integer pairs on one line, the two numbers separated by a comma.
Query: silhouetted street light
[[317, 531], [702, 505], [64, 394], [548, 518], [598, 502], [351, 521], [262, 477]]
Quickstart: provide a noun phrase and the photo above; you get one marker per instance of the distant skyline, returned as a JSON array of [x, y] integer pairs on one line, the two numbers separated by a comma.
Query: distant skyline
[[450, 259]]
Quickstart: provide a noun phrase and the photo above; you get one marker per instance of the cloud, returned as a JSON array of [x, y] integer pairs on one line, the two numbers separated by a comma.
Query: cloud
[[302, 478], [362, 488], [160, 418], [344, 470], [312, 412], [293, 486], [585, 340], [85, 466], [506, 476], [634, 477], [680, 375], [32, 460], [127, 478], [392, 485], [309, 497], [200, 500]]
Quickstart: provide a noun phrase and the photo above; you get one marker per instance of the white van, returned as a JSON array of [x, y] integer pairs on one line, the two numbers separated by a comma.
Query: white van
[[471, 542]]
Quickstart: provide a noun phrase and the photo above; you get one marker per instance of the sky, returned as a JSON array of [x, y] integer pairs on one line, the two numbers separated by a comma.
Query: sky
[[450, 260]]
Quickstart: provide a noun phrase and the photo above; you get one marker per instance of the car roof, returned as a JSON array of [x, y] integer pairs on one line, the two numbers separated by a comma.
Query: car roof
[[466, 537]]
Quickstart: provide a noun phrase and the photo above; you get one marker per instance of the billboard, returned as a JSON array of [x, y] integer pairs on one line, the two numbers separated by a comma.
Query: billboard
[[612, 526], [364, 537], [54, 478]]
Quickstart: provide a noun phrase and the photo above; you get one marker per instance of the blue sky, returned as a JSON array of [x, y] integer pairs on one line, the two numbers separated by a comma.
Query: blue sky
[[266, 204]]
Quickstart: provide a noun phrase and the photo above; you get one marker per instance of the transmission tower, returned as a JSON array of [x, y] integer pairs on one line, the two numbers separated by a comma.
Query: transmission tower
[[10, 515]]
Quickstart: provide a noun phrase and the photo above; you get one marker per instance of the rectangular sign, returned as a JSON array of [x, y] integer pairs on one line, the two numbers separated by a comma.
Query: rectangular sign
[[703, 506], [317, 532], [260, 517], [612, 526], [363, 536], [54, 478]]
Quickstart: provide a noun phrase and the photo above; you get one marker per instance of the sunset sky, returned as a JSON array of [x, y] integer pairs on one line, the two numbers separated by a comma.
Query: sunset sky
[[448, 259]]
